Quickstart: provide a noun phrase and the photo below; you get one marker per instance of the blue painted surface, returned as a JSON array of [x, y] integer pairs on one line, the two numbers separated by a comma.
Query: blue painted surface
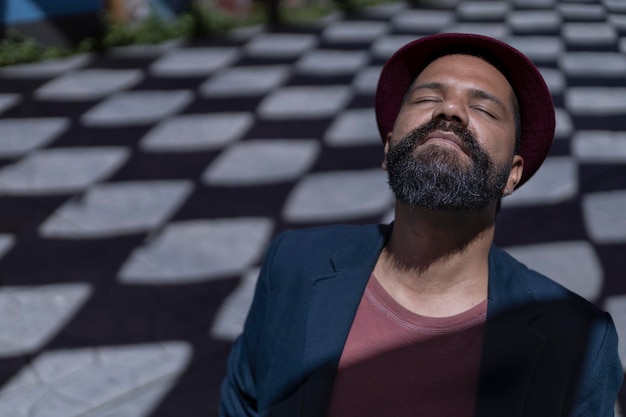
[[169, 8], [24, 11]]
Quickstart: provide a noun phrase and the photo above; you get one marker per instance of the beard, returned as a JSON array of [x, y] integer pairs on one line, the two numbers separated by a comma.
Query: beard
[[438, 177]]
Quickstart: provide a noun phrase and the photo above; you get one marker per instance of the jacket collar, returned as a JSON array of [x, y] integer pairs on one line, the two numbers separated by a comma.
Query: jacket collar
[[364, 252], [334, 298]]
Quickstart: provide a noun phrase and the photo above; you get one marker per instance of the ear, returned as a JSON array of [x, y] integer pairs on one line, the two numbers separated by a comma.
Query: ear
[[385, 150], [517, 167]]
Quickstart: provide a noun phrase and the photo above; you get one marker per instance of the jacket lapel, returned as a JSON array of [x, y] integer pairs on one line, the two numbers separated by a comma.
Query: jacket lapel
[[333, 304], [511, 347], [334, 299]]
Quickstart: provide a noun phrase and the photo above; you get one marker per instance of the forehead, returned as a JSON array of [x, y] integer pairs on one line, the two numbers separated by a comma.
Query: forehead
[[466, 69]]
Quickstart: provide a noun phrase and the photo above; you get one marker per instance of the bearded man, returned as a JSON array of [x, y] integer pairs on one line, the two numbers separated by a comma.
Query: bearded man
[[426, 317]]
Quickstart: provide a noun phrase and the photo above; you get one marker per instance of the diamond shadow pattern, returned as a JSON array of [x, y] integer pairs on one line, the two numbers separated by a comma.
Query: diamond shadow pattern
[[140, 187]]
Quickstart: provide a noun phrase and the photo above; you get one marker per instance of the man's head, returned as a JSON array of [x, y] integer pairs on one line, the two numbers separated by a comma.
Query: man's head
[[458, 105]]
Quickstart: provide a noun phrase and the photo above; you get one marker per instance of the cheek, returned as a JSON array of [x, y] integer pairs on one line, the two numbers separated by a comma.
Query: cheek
[[405, 123], [497, 141]]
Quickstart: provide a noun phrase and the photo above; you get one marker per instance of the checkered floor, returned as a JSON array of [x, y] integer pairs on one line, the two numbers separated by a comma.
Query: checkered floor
[[138, 189]]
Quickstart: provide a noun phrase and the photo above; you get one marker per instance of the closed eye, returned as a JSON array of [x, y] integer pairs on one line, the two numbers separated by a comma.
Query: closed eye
[[426, 100], [487, 111]]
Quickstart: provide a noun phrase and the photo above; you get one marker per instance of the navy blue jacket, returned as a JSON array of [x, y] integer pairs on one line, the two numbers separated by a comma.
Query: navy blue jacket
[[547, 352]]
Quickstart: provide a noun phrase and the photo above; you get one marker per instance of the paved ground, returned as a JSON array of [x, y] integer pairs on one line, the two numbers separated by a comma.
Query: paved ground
[[138, 189]]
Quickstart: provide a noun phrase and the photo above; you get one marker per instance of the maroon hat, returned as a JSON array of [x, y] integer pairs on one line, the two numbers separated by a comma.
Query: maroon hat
[[533, 96]]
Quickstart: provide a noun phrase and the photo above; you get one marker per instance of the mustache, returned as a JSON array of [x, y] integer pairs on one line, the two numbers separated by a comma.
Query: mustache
[[418, 135]]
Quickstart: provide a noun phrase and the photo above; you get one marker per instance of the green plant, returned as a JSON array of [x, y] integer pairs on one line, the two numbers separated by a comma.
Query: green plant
[[15, 48], [199, 20]]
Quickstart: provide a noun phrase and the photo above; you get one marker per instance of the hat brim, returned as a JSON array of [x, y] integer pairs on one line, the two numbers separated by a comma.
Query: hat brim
[[533, 96]]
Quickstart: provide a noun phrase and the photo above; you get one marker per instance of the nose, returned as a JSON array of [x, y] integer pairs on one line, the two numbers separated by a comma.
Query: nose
[[452, 109]]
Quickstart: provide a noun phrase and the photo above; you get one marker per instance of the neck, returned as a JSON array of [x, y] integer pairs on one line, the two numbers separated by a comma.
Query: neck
[[436, 262]]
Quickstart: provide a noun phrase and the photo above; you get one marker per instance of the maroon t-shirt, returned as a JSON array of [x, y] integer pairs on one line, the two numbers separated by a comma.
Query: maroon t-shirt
[[397, 363]]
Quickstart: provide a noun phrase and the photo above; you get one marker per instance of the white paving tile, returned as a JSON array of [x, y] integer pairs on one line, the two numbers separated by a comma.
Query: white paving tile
[[6, 243], [386, 46], [193, 62], [564, 126], [263, 161], [304, 102], [585, 64], [230, 318], [117, 209], [618, 21], [588, 34], [8, 100], [95, 382], [534, 20], [108, 380], [60, 170], [245, 81], [30, 316], [616, 306], [88, 84], [596, 101], [54, 365], [574, 265], [331, 62], [554, 80], [622, 45], [142, 403], [353, 127], [136, 108], [335, 196], [366, 80], [246, 33], [494, 30], [20, 402], [534, 4], [53, 404], [582, 11], [47, 68], [144, 50], [448, 4], [423, 20], [150, 361], [346, 31], [555, 181], [483, 10], [616, 6], [539, 48], [277, 45], [196, 132], [195, 251], [25, 380], [20, 136], [388, 216], [605, 216], [600, 146]]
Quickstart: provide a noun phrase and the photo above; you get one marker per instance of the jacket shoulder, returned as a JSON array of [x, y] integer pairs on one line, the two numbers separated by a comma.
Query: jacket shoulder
[[546, 291]]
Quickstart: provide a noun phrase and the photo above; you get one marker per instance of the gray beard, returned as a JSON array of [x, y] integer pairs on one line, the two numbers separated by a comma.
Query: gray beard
[[436, 178]]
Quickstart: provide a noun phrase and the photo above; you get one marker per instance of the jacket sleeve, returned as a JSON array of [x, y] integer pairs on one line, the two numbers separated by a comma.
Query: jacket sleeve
[[601, 374], [239, 391]]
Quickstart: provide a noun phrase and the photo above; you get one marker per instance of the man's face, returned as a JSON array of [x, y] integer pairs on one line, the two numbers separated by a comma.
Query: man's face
[[452, 144]]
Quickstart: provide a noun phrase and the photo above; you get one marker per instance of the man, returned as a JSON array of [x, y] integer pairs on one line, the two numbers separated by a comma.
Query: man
[[425, 317]]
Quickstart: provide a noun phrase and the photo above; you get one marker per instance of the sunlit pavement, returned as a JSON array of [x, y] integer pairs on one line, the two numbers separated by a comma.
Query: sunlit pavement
[[138, 189]]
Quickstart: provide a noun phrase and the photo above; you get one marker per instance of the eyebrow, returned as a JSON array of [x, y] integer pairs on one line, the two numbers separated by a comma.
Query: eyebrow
[[475, 93]]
